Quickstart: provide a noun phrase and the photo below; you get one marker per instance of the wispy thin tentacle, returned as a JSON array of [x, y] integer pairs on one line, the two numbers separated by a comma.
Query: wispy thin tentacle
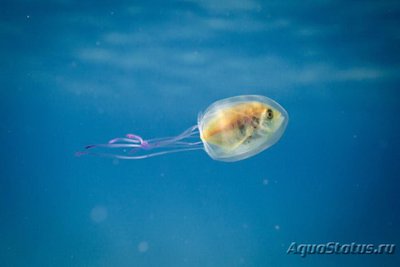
[[139, 146]]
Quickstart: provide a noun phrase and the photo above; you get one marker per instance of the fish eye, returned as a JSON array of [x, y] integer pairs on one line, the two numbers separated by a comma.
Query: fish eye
[[270, 114]]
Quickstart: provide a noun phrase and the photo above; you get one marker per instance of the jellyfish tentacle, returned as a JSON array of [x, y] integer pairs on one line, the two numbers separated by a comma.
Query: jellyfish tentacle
[[186, 144], [188, 133], [139, 146], [168, 140], [134, 137], [121, 139], [119, 156], [113, 146], [176, 145], [159, 153]]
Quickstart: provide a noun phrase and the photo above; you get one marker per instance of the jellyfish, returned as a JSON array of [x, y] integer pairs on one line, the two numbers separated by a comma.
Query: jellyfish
[[230, 129]]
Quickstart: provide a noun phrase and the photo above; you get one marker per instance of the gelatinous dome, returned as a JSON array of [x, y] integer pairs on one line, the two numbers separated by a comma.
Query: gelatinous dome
[[239, 127]]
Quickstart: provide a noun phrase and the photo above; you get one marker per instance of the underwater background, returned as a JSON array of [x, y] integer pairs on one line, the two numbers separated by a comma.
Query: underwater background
[[75, 73]]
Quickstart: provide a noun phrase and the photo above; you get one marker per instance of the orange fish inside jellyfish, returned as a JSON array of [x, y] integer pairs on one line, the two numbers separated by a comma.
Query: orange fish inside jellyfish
[[229, 130]]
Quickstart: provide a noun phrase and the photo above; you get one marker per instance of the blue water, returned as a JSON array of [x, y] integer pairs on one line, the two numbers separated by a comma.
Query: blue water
[[74, 73]]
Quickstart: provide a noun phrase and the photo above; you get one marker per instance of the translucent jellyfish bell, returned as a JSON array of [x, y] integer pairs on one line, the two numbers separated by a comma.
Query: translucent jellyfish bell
[[231, 129], [239, 127]]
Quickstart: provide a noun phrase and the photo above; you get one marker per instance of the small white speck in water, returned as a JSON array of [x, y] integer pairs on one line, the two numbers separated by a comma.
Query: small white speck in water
[[143, 246], [98, 214]]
